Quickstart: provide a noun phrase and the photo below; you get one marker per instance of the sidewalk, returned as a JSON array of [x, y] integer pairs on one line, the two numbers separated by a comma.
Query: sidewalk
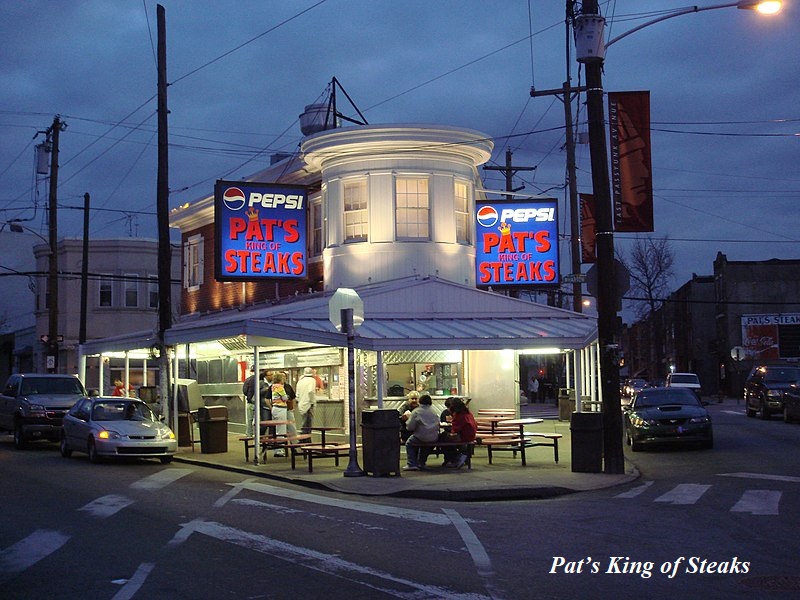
[[504, 479]]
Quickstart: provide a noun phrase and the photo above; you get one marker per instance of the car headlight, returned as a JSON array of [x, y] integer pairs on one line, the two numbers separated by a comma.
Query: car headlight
[[640, 422], [108, 435], [699, 420], [167, 435]]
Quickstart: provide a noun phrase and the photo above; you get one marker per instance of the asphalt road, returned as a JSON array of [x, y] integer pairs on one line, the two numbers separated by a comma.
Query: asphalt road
[[722, 524]]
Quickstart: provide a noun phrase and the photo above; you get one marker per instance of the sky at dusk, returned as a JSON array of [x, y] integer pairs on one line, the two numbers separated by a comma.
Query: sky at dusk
[[723, 85]]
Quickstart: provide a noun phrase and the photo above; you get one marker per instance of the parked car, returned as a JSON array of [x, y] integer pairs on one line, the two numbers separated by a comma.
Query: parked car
[[32, 405], [116, 427], [765, 387], [667, 415], [684, 380], [791, 403]]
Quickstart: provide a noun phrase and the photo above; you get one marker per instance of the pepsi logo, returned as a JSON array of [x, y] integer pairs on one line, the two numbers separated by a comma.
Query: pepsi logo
[[487, 216], [233, 198]]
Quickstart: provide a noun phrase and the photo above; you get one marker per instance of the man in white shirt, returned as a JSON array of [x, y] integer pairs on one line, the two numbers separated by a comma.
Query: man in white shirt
[[306, 399], [424, 425]]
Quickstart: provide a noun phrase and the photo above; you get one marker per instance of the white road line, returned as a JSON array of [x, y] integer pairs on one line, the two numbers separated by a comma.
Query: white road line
[[105, 506], [762, 476], [476, 550], [758, 502], [134, 583], [377, 509], [329, 564], [27, 552], [156, 481], [685, 493], [733, 412], [636, 491]]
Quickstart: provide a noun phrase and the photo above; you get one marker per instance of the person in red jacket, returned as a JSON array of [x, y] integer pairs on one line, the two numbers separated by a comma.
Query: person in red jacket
[[463, 429]]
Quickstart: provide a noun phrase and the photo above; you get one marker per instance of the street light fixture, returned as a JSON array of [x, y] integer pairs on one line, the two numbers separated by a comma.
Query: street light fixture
[[590, 50], [769, 7]]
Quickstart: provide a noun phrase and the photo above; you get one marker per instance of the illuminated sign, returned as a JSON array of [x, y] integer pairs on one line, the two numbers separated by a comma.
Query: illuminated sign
[[260, 231], [517, 243]]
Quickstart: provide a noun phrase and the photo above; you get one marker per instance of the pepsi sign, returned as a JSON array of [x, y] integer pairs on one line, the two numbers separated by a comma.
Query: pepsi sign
[[517, 243], [260, 231]]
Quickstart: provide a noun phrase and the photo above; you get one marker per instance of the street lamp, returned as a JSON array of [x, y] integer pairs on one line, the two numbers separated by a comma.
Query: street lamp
[[590, 50]]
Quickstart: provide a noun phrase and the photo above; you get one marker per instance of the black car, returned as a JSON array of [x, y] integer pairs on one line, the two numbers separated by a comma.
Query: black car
[[765, 387], [791, 403], [667, 416]]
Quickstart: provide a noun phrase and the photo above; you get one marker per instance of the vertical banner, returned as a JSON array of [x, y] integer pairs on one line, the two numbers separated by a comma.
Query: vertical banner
[[631, 167], [260, 231], [588, 229]]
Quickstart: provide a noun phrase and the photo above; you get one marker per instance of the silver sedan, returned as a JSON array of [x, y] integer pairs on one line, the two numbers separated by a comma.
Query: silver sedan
[[116, 427]]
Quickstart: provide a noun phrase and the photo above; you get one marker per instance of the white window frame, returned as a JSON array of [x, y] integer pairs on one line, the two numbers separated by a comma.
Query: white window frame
[[412, 207], [355, 203], [193, 262], [131, 284], [317, 244], [152, 292], [105, 284], [462, 212]]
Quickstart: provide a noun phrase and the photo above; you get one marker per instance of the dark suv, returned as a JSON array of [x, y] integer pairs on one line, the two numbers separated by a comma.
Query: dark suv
[[32, 405], [765, 387]]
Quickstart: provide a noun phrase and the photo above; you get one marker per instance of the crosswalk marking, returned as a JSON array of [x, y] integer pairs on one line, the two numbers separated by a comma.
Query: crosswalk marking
[[156, 481], [636, 491], [762, 476], [105, 506], [758, 502], [27, 552], [684, 493]]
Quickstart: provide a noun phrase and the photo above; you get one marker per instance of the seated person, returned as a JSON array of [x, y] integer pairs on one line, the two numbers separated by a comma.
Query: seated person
[[446, 415], [423, 423], [464, 429], [405, 412]]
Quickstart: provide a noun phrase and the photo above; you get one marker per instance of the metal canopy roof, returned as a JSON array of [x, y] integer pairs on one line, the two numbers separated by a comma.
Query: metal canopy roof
[[406, 314]]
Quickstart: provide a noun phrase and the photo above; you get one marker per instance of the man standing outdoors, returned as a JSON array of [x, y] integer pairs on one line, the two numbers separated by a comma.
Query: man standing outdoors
[[306, 399]]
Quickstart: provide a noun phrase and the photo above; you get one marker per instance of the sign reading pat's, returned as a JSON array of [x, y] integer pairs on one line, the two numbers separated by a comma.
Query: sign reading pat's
[[517, 243], [260, 231]]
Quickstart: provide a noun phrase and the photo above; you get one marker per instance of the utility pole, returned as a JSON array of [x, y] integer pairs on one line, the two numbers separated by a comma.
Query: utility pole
[[592, 30], [509, 171], [162, 216], [84, 271], [52, 284]]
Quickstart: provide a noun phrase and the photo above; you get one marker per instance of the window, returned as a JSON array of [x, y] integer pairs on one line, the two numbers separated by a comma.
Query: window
[[316, 227], [131, 290], [193, 262], [152, 294], [412, 215], [106, 291], [356, 220], [463, 221]]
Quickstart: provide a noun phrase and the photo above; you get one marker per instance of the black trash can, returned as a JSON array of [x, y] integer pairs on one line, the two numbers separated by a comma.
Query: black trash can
[[587, 442], [380, 441], [213, 424]]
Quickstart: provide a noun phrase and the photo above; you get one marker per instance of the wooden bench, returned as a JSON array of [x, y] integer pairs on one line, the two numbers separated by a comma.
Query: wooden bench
[[516, 443], [438, 444], [288, 442], [553, 437], [312, 451]]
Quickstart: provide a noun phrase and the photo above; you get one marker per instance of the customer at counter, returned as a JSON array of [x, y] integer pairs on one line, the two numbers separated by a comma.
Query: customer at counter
[[423, 423]]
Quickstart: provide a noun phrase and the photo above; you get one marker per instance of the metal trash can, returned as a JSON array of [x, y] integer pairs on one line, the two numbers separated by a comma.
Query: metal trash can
[[587, 442], [380, 441], [566, 404], [213, 424]]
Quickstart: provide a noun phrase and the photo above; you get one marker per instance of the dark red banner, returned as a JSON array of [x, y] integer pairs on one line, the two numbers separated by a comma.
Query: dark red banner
[[588, 229], [631, 167]]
